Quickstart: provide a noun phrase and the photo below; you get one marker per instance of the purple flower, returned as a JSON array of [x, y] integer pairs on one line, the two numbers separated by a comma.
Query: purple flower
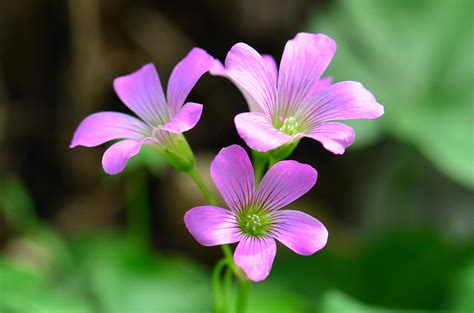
[[162, 120], [255, 218], [294, 102]]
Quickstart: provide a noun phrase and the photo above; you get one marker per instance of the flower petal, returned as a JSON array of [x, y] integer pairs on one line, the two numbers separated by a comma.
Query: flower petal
[[248, 70], [116, 156], [335, 137], [320, 85], [187, 118], [304, 60], [258, 132], [232, 173], [101, 127], [271, 64], [300, 232], [185, 75], [141, 91], [212, 226], [284, 182], [217, 69], [341, 101], [255, 255]]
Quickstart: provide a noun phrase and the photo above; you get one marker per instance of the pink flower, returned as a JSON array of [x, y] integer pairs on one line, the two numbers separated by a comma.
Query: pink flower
[[294, 102], [162, 120], [255, 218]]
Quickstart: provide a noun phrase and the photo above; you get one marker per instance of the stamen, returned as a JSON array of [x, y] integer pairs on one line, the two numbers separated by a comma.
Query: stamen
[[290, 125], [254, 222]]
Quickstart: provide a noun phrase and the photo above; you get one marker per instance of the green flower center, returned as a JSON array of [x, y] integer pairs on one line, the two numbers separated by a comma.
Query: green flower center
[[289, 125], [254, 222]]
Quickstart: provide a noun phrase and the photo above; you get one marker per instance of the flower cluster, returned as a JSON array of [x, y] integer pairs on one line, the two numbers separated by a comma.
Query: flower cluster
[[286, 104]]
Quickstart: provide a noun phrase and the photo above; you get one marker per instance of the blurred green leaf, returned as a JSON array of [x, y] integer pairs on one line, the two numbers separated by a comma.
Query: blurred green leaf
[[43, 249], [336, 301], [416, 57], [25, 291], [16, 203], [125, 277], [413, 266], [407, 269], [268, 297], [463, 288]]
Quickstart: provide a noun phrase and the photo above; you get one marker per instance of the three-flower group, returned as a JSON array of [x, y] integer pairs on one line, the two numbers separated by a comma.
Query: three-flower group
[[285, 106]]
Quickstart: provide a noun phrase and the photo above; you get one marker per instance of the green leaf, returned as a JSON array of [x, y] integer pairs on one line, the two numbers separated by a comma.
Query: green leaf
[[268, 297], [336, 301], [463, 288], [25, 291], [416, 57], [406, 269], [16, 203], [125, 277]]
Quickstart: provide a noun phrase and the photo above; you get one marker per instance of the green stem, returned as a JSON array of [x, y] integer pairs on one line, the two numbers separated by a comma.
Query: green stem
[[230, 262], [242, 295], [227, 289], [193, 173], [272, 161], [260, 162], [138, 207], [216, 286], [221, 303], [227, 252], [282, 152]]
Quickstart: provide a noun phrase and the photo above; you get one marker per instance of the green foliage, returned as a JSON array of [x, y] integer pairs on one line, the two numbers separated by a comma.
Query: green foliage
[[463, 287], [111, 274], [267, 297], [26, 291], [336, 301], [16, 203], [416, 57], [405, 270], [125, 277]]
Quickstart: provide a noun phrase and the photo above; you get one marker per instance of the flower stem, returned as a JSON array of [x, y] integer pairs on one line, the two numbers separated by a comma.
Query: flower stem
[[138, 208], [222, 300], [272, 162], [260, 162], [193, 173], [242, 295], [228, 288], [227, 252], [282, 152], [219, 300]]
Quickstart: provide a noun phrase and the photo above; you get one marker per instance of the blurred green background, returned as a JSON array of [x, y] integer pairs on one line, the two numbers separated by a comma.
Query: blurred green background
[[399, 205]]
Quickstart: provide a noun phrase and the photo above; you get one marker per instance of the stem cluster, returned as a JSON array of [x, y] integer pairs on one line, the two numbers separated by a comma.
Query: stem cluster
[[225, 269]]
